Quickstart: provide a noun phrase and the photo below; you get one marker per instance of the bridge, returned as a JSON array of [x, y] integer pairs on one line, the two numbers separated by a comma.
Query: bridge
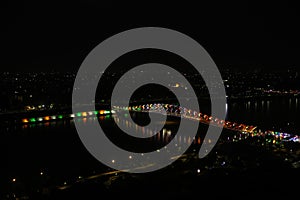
[[177, 111]]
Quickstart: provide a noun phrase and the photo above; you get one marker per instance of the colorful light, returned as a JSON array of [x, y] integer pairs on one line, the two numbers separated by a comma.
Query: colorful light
[[84, 114], [25, 120], [277, 137]]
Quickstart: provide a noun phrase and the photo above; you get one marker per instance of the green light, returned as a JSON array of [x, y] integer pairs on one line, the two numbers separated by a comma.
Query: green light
[[32, 120], [139, 109], [106, 112], [60, 116], [126, 115], [96, 112], [78, 114]]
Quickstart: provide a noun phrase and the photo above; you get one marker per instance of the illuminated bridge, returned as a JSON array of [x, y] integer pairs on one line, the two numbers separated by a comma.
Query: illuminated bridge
[[178, 111]]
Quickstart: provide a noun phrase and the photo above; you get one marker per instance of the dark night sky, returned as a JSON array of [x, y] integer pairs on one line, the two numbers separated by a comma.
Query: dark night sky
[[58, 36]]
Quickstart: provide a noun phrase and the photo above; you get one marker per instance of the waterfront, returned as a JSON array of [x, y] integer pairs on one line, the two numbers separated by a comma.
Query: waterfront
[[51, 160], [276, 113]]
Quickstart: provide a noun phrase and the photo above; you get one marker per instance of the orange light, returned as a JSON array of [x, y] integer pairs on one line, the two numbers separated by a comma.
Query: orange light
[[47, 118], [25, 120], [102, 117], [101, 112], [84, 114]]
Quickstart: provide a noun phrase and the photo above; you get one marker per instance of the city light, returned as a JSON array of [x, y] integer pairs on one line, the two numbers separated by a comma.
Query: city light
[[101, 112], [246, 130], [84, 114]]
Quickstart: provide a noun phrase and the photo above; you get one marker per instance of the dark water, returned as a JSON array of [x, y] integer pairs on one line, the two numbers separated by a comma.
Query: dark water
[[279, 113], [51, 153]]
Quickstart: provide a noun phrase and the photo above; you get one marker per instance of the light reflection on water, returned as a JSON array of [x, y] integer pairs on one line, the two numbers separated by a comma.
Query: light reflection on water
[[281, 113], [164, 136]]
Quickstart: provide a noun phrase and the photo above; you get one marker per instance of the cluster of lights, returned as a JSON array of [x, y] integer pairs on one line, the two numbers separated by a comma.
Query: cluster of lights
[[68, 116], [187, 113]]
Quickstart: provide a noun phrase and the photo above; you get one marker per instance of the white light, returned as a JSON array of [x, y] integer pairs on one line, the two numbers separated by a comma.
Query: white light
[[41, 173], [198, 170], [72, 115], [130, 157], [113, 161]]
